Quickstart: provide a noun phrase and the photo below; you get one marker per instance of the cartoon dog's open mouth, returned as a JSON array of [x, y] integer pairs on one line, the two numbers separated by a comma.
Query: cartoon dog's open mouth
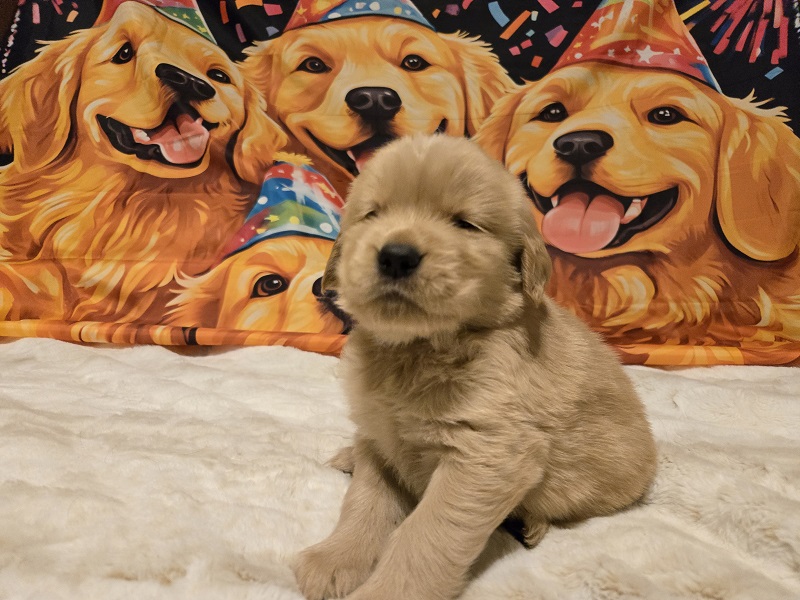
[[584, 217], [353, 159], [181, 139]]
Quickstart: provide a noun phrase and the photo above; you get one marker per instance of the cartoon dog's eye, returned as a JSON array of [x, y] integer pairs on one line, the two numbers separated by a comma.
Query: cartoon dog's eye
[[552, 113], [665, 115], [124, 54], [370, 215], [412, 62], [269, 285], [464, 224], [313, 65], [218, 75]]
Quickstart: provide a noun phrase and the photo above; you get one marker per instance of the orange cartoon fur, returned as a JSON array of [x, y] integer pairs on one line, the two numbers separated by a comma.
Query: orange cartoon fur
[[274, 285], [342, 89], [703, 247], [138, 148]]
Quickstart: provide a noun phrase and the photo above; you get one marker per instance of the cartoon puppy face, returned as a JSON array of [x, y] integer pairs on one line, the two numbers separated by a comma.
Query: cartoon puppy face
[[141, 91], [617, 161], [274, 285], [435, 238], [345, 88]]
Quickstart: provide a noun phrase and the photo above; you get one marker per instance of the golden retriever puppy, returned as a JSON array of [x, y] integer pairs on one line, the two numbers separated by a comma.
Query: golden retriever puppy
[[274, 285], [344, 88], [138, 149], [671, 211], [475, 396]]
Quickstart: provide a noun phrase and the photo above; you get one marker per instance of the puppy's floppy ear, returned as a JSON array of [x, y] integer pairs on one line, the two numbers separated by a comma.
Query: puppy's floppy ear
[[535, 263], [485, 80], [258, 139], [36, 101], [758, 178], [330, 280], [496, 129]]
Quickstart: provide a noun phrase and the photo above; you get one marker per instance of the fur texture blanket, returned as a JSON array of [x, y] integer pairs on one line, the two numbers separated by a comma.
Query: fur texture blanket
[[141, 473]]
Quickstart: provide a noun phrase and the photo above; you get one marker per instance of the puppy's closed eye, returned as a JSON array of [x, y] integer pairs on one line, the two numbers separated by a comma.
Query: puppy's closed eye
[[462, 223]]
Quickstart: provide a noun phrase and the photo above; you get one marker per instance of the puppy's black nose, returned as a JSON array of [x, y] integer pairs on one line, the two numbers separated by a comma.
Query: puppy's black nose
[[398, 260], [581, 147], [188, 87], [377, 103]]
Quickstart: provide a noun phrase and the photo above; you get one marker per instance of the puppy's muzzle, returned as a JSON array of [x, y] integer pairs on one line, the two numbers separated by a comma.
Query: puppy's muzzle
[[398, 261]]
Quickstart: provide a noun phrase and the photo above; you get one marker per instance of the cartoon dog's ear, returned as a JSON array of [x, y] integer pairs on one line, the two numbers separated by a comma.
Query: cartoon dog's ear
[[535, 262], [758, 178], [330, 280], [496, 129], [36, 101], [485, 80], [257, 65], [258, 139]]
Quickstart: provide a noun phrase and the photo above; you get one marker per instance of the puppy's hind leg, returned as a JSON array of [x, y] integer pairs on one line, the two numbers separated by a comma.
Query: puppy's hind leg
[[373, 507]]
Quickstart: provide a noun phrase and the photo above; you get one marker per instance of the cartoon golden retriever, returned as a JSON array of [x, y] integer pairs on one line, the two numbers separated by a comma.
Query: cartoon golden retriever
[[671, 211], [274, 285], [342, 89], [138, 148]]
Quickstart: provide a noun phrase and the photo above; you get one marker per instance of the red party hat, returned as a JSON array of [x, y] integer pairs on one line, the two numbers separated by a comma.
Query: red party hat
[[639, 33]]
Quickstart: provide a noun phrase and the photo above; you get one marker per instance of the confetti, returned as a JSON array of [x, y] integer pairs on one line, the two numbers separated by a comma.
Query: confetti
[[465, 4], [521, 18], [773, 73], [56, 7], [530, 32], [223, 11], [514, 50], [497, 14], [71, 16], [436, 13], [783, 48], [556, 35], [526, 44], [272, 31], [273, 10], [534, 15], [537, 60], [577, 4], [452, 9], [694, 10], [549, 5], [35, 13], [240, 33], [241, 3]]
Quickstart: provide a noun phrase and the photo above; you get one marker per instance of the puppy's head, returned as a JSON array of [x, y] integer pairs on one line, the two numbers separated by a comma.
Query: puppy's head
[[274, 285], [141, 91], [436, 237], [617, 160], [347, 87]]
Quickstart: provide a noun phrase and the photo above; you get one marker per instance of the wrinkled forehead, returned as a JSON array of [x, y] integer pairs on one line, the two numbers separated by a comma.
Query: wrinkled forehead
[[440, 183], [148, 31]]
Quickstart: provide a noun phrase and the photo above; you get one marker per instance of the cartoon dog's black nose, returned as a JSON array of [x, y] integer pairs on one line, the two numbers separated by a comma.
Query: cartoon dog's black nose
[[581, 147], [398, 260], [188, 87], [374, 102]]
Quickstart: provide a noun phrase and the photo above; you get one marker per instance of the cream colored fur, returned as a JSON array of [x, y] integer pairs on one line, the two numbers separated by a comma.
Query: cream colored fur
[[475, 397]]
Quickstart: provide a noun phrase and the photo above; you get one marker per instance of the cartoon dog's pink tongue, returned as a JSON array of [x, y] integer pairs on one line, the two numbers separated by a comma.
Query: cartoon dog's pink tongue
[[361, 157], [580, 224], [181, 142]]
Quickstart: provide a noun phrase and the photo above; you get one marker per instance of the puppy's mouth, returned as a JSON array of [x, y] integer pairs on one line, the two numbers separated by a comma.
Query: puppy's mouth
[[354, 158], [180, 140], [585, 217]]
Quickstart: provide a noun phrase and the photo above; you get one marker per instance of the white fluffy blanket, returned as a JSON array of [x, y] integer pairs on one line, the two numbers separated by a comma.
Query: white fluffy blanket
[[139, 473]]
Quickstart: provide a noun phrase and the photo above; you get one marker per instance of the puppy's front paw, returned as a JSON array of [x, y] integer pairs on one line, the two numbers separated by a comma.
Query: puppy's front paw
[[325, 571]]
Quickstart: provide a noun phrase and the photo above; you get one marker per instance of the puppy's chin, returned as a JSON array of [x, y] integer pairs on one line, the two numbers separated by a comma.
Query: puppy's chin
[[394, 319]]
